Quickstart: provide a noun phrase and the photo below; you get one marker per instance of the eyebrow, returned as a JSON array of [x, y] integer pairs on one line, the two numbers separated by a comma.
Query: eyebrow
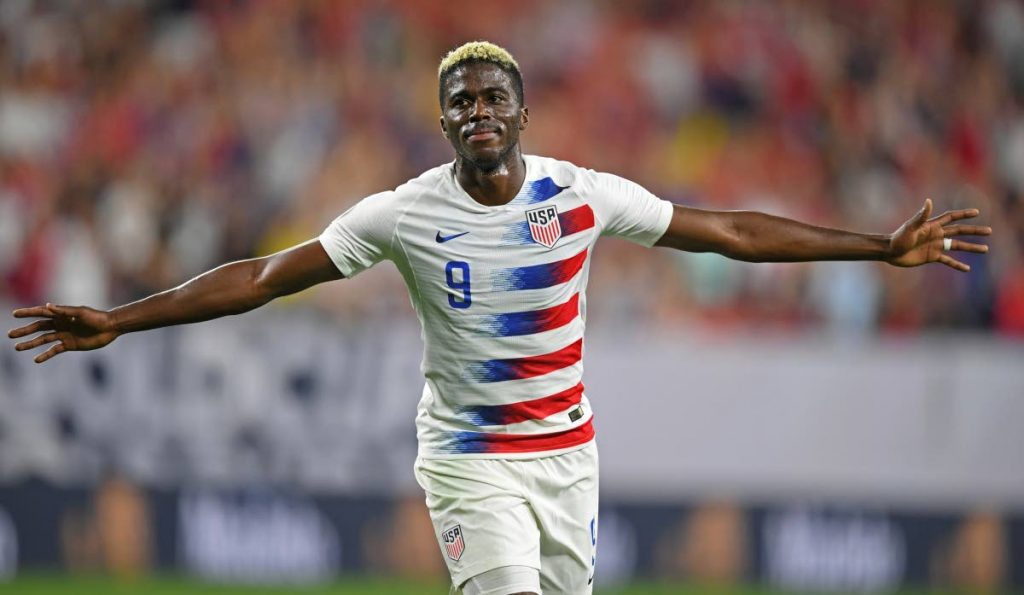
[[485, 90]]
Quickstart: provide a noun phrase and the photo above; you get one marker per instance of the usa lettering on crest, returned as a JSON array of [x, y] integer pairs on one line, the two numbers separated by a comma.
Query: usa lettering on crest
[[453, 542], [545, 229]]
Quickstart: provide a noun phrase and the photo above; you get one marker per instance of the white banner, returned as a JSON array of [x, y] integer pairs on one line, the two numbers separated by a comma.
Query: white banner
[[285, 396]]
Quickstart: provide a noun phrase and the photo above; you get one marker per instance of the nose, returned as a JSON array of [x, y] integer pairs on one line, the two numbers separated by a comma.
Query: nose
[[480, 110]]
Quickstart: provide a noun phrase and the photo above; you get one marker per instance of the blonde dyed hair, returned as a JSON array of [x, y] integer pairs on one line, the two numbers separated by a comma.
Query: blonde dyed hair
[[477, 51], [480, 51]]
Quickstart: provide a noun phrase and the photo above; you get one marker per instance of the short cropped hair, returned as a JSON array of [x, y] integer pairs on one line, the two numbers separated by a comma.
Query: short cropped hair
[[479, 51]]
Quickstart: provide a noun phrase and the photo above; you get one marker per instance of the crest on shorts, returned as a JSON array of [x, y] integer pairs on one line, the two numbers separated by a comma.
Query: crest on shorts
[[545, 229], [454, 544]]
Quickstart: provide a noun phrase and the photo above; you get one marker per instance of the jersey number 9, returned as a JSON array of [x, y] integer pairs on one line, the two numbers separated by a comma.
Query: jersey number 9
[[462, 284]]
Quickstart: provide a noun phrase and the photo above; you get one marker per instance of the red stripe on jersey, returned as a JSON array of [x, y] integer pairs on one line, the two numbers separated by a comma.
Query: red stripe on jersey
[[568, 268], [558, 316], [511, 443], [513, 324], [513, 413], [538, 365], [576, 220], [500, 370]]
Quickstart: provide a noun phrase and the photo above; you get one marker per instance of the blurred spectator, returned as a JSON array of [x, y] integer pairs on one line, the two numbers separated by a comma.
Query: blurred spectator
[[142, 143]]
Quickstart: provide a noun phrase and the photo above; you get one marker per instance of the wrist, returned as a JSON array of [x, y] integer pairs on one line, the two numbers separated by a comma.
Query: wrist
[[888, 250], [114, 322]]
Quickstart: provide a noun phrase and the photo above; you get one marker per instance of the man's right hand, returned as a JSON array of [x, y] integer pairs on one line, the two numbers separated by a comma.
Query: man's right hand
[[229, 289], [72, 328]]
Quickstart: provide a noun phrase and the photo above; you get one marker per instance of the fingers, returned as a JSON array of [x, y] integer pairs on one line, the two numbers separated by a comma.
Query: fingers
[[52, 316], [40, 340], [966, 230], [56, 349], [948, 216], [968, 247], [34, 312], [925, 212], [954, 263], [29, 329], [69, 311]]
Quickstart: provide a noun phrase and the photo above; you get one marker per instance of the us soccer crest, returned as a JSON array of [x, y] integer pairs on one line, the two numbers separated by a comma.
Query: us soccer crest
[[453, 542], [545, 228]]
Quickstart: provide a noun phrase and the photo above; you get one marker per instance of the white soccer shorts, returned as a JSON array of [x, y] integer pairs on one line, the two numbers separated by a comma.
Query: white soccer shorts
[[540, 513]]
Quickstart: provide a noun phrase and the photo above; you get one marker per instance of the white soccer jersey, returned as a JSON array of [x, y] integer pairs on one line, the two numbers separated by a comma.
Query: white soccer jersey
[[499, 292]]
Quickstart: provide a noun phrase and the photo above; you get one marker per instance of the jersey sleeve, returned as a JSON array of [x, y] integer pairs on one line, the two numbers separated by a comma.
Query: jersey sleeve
[[361, 236], [627, 210]]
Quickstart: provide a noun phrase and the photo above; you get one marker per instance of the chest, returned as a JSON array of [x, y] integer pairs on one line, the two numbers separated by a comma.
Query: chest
[[465, 259]]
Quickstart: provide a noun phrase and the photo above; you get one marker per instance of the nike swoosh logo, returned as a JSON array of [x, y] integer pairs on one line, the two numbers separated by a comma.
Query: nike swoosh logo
[[440, 239]]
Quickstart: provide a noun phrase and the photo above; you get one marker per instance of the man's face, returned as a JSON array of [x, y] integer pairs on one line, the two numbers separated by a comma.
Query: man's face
[[481, 115]]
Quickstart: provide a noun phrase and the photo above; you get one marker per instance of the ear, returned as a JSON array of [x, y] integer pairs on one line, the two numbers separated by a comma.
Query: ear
[[524, 118], [444, 129]]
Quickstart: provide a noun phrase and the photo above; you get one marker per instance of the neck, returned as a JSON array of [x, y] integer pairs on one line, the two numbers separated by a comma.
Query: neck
[[492, 185]]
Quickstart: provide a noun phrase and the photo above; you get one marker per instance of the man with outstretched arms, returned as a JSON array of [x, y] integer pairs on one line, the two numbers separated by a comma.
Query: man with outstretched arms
[[495, 250]]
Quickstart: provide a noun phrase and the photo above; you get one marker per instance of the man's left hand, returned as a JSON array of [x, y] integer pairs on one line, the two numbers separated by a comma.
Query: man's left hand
[[922, 239]]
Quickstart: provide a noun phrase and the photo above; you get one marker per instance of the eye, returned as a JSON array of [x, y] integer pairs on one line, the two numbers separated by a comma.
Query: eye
[[497, 98]]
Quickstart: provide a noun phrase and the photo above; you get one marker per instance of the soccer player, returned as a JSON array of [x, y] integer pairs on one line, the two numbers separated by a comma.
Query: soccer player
[[495, 250]]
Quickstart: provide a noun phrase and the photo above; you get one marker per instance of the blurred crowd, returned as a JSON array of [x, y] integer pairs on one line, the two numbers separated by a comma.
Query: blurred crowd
[[144, 142]]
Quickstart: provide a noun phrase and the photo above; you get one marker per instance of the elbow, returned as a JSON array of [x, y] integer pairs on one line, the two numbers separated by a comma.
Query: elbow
[[738, 245], [260, 288]]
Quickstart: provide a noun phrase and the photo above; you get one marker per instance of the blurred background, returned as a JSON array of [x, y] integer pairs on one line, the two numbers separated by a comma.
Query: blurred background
[[847, 427]]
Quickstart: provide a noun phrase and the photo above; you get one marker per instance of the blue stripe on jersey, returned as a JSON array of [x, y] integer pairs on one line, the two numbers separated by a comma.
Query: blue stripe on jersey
[[472, 442], [517, 234], [537, 276], [512, 413], [495, 370], [539, 191], [465, 442], [481, 416], [513, 324], [499, 370]]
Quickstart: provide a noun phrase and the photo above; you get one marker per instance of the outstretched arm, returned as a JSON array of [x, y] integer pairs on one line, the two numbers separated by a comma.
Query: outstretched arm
[[233, 288], [758, 237]]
